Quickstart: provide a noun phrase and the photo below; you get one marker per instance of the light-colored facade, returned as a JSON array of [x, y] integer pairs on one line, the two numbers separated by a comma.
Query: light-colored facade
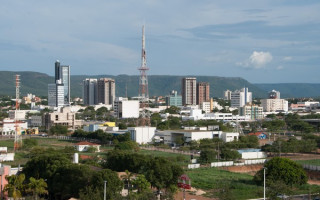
[[124, 108], [171, 136], [273, 105], [196, 114], [252, 111], [63, 117], [227, 95], [174, 99], [90, 93], [9, 127], [203, 92], [142, 135], [241, 97], [206, 106], [106, 91], [189, 91]]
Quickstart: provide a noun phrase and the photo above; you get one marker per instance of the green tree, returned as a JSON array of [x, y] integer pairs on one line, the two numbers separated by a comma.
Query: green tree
[[229, 154], [127, 145], [29, 143], [208, 155], [284, 170], [37, 187], [122, 126], [141, 183], [15, 186], [58, 130]]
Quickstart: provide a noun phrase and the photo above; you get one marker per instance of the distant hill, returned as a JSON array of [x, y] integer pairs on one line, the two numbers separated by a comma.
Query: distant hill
[[37, 83], [289, 90]]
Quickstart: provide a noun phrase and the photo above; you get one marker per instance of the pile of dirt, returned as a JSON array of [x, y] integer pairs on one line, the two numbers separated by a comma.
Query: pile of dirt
[[247, 169]]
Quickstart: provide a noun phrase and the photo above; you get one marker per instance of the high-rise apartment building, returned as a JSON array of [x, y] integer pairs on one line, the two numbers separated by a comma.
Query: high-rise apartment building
[[239, 98], [61, 88], [98, 91], [189, 91], [62, 72], [90, 92], [203, 92], [106, 90]]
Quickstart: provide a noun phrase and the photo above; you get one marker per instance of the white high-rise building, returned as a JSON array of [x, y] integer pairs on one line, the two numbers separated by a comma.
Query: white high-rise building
[[273, 105], [239, 98]]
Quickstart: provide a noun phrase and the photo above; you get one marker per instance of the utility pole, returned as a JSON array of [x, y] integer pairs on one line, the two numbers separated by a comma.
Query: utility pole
[[105, 191], [264, 183]]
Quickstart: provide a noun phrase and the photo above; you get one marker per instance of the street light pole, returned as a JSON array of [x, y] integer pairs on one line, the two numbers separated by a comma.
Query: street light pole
[[264, 183], [105, 190]]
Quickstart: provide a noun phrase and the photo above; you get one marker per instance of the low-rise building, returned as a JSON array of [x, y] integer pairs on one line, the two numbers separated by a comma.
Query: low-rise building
[[63, 117], [253, 112], [124, 108], [84, 146], [142, 135], [8, 127], [172, 136]]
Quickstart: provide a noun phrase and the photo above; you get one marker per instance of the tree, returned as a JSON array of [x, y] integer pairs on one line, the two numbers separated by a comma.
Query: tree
[[37, 187], [141, 183], [208, 155], [127, 145], [127, 178], [15, 186], [229, 154], [29, 143], [58, 130], [122, 126], [284, 170]]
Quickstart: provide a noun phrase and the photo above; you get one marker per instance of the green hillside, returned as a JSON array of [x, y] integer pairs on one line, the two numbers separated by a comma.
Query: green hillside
[[37, 83]]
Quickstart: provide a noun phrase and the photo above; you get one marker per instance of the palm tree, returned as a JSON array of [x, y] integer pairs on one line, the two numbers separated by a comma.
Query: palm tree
[[37, 187], [15, 186], [127, 177]]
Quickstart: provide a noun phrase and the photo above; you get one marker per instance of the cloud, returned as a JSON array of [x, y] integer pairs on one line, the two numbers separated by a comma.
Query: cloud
[[287, 58], [260, 59], [257, 60], [280, 67]]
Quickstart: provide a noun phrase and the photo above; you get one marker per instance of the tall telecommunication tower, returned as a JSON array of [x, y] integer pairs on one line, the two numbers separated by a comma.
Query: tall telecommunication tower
[[143, 80], [17, 138], [143, 84]]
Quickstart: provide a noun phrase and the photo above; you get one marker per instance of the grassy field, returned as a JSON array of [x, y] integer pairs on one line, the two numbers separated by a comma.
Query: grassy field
[[220, 182], [309, 162], [180, 159]]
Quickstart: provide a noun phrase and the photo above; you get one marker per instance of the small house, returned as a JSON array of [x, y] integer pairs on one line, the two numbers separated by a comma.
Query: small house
[[84, 146]]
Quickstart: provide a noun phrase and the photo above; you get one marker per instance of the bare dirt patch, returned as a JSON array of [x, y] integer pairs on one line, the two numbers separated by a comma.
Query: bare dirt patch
[[247, 169]]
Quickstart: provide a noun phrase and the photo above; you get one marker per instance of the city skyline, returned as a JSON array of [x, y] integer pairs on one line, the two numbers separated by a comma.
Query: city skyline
[[262, 42]]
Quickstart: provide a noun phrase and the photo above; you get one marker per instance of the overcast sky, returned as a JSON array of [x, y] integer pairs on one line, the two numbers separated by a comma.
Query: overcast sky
[[264, 41]]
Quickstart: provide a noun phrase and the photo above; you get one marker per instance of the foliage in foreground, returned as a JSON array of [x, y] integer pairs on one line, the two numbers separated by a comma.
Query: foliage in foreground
[[284, 170]]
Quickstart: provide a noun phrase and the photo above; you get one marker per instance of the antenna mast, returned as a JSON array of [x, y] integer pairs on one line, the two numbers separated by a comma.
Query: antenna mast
[[17, 138], [143, 83]]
